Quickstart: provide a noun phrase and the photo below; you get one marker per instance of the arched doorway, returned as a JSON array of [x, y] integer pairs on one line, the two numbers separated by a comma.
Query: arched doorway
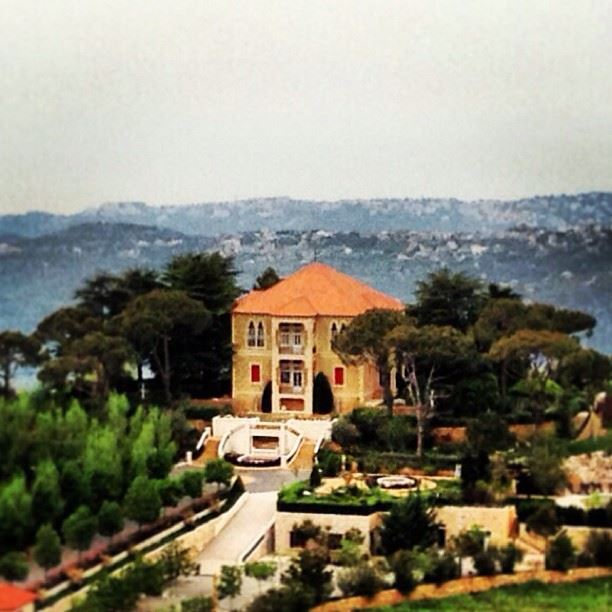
[[322, 395]]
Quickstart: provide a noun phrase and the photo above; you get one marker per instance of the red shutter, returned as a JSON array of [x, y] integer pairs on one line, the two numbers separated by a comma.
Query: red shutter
[[338, 376], [255, 373]]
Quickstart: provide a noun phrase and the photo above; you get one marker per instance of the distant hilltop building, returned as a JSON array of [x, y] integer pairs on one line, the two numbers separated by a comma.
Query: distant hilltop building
[[282, 338]]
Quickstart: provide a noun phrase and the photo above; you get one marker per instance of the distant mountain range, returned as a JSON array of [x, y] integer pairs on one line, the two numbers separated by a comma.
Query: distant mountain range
[[556, 249], [559, 212]]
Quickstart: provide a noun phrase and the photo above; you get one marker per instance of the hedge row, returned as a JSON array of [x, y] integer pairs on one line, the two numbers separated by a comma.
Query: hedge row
[[571, 516]]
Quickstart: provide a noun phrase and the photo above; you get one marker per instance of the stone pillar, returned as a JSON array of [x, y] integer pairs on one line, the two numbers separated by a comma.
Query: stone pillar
[[282, 445]]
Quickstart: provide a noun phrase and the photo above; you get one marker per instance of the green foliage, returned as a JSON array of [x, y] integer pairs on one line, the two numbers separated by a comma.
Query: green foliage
[[447, 298], [544, 521], [120, 593], [16, 351], [110, 518], [142, 502], [268, 278], [365, 339], [308, 571], [350, 553], [441, 568], [469, 543], [176, 561], [191, 481], [508, 556], [218, 471], [410, 523], [14, 566], [79, 528], [344, 432], [47, 503], [260, 570], [315, 477], [230, 581], [484, 563], [290, 598], [544, 463], [599, 547], [402, 564], [363, 579], [593, 594], [15, 514], [489, 432], [197, 604], [48, 548], [171, 491], [329, 461], [561, 554]]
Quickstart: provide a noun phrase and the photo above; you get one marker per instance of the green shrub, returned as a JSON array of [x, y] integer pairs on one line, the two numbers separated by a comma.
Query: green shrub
[[508, 556], [561, 554], [344, 432], [197, 604], [362, 579], [599, 547], [191, 480], [402, 565], [484, 563], [329, 461], [442, 568], [14, 566]]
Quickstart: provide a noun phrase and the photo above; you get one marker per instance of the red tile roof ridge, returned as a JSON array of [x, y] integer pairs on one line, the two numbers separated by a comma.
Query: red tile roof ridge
[[316, 289]]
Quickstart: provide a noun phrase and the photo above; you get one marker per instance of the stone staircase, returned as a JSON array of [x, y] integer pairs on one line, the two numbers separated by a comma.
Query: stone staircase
[[211, 449], [304, 457]]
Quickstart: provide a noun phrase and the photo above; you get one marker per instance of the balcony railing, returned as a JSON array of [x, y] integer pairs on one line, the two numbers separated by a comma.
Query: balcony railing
[[291, 349], [291, 389]]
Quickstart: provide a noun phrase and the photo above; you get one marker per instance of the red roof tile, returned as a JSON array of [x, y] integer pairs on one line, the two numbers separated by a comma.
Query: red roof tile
[[316, 289], [12, 597]]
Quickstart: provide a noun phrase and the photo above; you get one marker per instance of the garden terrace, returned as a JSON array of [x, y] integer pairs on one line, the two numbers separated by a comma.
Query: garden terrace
[[336, 497]]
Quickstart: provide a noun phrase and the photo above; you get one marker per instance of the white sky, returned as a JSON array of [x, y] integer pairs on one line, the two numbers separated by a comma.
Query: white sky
[[189, 101]]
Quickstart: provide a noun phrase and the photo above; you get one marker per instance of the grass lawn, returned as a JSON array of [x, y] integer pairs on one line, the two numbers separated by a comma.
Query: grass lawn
[[593, 595]]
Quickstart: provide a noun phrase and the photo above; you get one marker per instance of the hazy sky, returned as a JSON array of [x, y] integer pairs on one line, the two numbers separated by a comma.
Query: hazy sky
[[189, 101]]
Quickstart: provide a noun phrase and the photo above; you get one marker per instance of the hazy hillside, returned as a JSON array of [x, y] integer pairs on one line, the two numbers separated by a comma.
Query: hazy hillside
[[447, 215], [568, 267]]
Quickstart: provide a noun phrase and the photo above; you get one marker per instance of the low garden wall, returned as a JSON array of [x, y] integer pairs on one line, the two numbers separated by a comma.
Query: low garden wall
[[501, 523], [522, 431], [194, 538], [461, 586]]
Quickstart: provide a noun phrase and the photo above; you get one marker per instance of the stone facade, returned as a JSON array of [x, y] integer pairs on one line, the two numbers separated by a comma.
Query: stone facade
[[254, 366]]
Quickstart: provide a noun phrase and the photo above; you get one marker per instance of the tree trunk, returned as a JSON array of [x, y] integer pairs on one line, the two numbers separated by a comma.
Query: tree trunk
[[387, 395], [420, 430]]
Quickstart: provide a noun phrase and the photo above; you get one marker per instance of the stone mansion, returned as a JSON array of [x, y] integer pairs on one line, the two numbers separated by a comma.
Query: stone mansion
[[282, 340]]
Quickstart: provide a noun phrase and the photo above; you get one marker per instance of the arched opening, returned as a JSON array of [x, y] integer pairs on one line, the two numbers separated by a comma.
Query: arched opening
[[251, 335], [322, 395], [266, 398]]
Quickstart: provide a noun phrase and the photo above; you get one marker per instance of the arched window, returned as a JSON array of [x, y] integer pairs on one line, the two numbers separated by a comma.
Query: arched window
[[260, 335], [333, 333], [251, 337]]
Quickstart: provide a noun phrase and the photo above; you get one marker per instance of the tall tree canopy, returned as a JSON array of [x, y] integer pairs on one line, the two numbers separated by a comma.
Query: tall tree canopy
[[448, 298], [16, 350], [427, 355], [366, 339], [156, 320], [203, 360], [268, 278]]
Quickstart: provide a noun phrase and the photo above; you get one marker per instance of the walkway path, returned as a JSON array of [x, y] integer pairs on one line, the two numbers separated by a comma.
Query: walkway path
[[244, 528]]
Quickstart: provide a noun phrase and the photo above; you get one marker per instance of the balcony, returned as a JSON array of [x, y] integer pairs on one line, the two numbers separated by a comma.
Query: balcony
[[291, 349], [291, 389]]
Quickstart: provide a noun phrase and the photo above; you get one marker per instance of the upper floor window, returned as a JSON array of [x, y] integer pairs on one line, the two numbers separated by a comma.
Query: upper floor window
[[336, 329], [291, 338], [256, 335], [251, 335], [260, 335]]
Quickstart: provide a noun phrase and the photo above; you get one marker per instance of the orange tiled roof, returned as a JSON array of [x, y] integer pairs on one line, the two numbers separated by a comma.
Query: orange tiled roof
[[316, 289], [13, 598]]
